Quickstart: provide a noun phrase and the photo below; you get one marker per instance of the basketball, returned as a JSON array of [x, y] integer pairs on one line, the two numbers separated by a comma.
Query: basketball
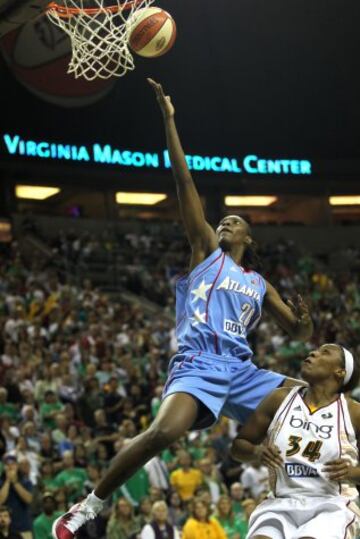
[[38, 54], [152, 32]]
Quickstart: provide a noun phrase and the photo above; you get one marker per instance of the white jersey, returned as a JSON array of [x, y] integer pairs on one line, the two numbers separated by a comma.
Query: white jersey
[[307, 440]]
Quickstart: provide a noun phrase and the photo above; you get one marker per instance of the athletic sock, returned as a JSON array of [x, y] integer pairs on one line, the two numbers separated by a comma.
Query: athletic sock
[[94, 503]]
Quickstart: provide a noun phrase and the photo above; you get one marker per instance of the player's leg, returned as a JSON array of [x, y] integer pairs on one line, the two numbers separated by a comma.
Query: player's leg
[[260, 537], [177, 414]]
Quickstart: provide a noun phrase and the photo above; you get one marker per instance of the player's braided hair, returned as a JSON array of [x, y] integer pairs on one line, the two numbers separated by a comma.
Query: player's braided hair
[[251, 259]]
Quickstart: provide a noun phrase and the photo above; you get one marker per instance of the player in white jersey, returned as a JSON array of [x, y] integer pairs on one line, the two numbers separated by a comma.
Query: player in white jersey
[[307, 436]]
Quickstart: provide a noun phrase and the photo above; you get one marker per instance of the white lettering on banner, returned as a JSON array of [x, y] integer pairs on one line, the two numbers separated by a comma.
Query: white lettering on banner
[[254, 165], [45, 150], [214, 164], [107, 155]]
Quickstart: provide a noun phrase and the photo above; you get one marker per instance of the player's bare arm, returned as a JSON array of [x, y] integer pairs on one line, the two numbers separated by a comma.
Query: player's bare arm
[[201, 235], [341, 469], [294, 318], [248, 446]]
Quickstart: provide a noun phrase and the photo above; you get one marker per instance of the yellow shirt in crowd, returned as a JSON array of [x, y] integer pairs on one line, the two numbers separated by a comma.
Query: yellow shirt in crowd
[[194, 529], [185, 482]]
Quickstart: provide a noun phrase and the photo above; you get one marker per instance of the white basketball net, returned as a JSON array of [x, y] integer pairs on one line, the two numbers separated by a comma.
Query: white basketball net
[[99, 35]]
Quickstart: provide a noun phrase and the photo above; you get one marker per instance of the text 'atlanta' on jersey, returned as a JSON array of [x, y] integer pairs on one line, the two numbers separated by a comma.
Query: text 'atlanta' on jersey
[[217, 305]]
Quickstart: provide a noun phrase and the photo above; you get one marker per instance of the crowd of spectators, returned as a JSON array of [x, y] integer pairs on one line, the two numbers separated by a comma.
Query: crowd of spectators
[[81, 374]]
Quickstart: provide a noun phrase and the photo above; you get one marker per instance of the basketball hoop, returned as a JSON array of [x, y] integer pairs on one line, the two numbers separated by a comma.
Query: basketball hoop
[[99, 33]]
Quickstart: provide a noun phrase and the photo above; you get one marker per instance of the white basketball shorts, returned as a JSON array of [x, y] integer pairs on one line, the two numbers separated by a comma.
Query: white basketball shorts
[[294, 518]]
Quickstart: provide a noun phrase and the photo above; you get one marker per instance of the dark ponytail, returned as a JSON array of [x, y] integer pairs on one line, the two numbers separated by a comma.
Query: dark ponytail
[[251, 259]]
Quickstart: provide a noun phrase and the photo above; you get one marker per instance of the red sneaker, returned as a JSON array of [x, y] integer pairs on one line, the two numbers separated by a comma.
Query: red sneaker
[[65, 527]]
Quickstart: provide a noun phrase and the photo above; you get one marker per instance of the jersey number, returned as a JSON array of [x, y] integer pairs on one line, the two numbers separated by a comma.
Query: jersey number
[[246, 314], [311, 451]]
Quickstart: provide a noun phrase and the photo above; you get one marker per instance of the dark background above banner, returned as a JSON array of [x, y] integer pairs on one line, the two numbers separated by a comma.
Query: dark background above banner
[[277, 90]]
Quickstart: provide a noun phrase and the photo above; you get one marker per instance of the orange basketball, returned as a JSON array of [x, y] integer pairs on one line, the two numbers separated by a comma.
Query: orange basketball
[[152, 32]]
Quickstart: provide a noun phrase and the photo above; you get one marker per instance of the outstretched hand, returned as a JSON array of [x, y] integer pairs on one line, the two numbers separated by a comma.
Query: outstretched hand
[[164, 101], [300, 310]]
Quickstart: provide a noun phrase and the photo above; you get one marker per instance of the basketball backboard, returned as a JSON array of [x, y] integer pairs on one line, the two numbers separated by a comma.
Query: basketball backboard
[[14, 13]]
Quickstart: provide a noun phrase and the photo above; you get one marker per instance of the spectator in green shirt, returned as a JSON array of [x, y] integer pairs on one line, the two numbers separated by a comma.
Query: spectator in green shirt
[[235, 527], [49, 409], [237, 496], [170, 456], [47, 479], [43, 523], [71, 477], [135, 488]]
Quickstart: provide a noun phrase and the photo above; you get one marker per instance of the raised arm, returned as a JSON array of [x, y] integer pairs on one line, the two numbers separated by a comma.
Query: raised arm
[[293, 318], [4, 491], [247, 446], [200, 234], [25, 495]]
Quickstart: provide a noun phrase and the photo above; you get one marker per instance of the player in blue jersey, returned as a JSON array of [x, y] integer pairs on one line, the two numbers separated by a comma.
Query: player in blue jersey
[[217, 304]]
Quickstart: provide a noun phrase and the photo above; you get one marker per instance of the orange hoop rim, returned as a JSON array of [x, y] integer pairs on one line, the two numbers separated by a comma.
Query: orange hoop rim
[[67, 12]]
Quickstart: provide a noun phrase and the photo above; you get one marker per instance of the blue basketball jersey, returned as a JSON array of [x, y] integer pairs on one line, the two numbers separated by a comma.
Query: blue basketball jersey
[[217, 305]]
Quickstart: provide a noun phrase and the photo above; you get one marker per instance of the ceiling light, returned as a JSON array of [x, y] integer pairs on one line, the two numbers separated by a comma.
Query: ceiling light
[[137, 199], [352, 200], [249, 200], [35, 192]]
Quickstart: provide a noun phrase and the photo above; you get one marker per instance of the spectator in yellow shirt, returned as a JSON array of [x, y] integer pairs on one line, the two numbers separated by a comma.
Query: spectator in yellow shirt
[[185, 480], [199, 525]]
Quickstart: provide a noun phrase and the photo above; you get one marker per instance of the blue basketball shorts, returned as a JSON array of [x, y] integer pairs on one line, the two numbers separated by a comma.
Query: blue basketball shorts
[[223, 385]]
